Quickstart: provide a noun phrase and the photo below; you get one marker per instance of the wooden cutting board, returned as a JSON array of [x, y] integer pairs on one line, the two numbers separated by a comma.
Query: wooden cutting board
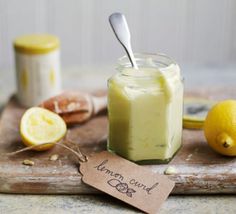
[[199, 169]]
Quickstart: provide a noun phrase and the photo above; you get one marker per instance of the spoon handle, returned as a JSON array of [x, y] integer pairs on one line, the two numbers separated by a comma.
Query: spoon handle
[[130, 55], [120, 28]]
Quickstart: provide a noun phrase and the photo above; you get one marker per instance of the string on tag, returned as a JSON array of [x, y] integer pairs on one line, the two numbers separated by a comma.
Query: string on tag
[[81, 157]]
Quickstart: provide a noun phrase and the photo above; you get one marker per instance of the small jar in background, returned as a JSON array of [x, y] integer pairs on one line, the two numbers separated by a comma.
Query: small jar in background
[[37, 68]]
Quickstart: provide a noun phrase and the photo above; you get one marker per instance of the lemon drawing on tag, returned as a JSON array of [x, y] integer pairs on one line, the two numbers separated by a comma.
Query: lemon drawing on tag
[[220, 127], [39, 125]]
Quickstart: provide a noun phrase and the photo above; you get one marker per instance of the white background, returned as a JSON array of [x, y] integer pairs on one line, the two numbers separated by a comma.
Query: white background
[[191, 31]]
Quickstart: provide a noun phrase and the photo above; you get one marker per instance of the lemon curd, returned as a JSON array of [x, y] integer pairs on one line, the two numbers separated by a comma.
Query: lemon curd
[[145, 109]]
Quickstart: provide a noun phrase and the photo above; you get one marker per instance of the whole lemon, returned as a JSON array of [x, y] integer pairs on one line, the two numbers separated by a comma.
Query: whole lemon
[[220, 127]]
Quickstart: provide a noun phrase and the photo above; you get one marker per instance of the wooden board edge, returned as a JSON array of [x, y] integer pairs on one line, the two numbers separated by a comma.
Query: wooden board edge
[[185, 184]]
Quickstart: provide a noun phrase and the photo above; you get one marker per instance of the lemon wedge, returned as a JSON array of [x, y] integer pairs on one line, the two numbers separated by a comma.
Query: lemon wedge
[[39, 126], [220, 127]]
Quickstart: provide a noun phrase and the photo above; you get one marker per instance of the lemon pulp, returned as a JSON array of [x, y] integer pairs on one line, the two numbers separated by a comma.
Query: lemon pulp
[[39, 126]]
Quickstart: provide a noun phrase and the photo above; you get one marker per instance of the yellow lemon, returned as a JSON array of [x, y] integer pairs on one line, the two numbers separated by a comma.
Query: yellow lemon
[[220, 127], [39, 126]]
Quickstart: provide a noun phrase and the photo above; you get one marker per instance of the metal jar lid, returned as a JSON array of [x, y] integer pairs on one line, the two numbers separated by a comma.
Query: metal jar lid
[[195, 112]]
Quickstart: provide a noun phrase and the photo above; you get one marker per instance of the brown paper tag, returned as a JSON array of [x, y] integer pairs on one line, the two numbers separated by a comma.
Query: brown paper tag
[[126, 181]]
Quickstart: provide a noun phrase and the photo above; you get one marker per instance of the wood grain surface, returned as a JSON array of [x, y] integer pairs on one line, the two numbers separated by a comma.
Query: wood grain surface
[[199, 170]]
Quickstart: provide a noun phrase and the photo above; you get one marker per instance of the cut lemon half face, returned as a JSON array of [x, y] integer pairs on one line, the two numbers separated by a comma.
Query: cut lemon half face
[[40, 126]]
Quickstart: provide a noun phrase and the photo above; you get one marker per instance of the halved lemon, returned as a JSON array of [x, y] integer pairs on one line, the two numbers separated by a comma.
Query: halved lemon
[[39, 126]]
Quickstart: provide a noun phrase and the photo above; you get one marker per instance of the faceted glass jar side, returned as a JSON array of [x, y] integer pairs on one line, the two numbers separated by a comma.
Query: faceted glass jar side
[[145, 109]]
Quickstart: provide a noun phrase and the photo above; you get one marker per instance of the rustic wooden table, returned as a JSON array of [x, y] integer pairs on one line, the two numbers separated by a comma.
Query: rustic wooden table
[[94, 78]]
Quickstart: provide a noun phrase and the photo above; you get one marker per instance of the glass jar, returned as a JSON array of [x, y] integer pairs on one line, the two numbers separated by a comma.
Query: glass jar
[[37, 68], [145, 108]]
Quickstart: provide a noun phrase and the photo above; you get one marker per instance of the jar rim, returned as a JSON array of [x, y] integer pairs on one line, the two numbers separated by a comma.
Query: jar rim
[[124, 60], [156, 61]]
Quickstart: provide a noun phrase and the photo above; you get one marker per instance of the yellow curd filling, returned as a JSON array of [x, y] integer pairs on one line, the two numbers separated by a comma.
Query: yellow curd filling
[[145, 113]]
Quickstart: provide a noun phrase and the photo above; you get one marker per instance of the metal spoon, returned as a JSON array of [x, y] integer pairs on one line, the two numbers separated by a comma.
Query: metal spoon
[[121, 30]]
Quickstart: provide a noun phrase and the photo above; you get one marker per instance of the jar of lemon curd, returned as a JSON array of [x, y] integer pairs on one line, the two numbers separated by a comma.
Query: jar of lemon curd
[[37, 68], [145, 108]]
